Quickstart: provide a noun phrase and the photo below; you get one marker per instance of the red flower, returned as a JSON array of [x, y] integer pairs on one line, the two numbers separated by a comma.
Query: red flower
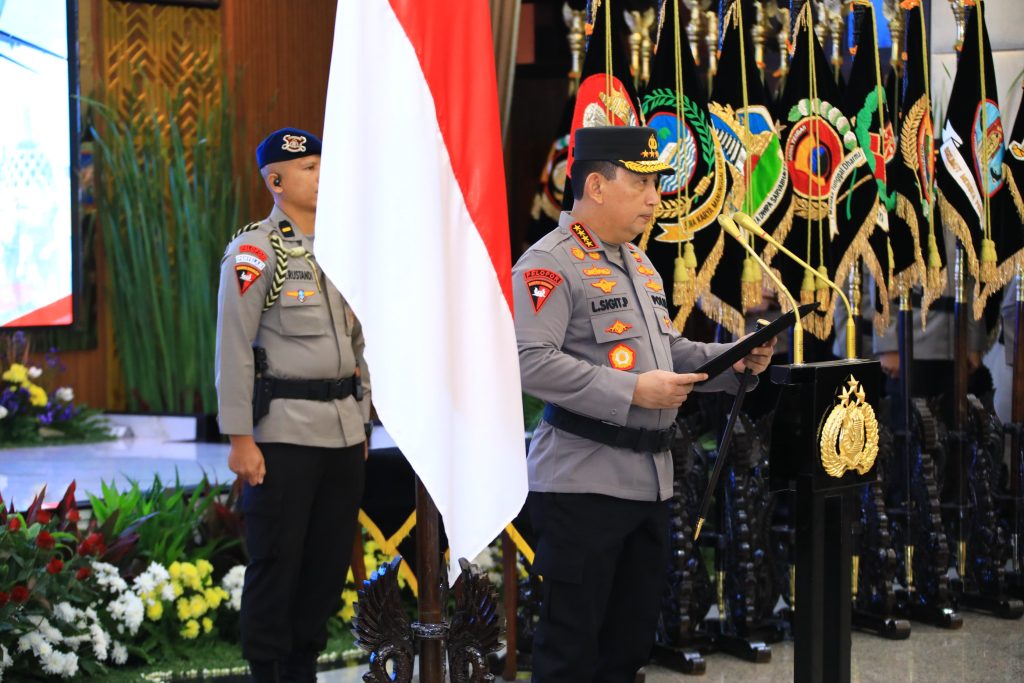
[[43, 517], [4, 597], [14, 524], [54, 566], [72, 515], [19, 594], [82, 573], [92, 545], [45, 540]]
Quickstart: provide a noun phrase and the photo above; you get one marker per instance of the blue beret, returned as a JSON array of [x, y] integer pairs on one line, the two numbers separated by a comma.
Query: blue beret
[[285, 144]]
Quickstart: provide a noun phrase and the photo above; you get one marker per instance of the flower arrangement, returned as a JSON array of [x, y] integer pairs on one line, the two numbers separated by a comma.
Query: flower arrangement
[[29, 413]]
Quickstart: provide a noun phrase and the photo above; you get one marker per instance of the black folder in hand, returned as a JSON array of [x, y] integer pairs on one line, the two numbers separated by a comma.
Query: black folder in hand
[[740, 349]]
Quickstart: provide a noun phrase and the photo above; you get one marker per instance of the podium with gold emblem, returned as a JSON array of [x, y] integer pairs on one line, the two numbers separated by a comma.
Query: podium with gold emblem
[[824, 445]]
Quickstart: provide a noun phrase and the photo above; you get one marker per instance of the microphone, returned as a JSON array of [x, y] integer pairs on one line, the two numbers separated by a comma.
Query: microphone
[[851, 325], [798, 330]]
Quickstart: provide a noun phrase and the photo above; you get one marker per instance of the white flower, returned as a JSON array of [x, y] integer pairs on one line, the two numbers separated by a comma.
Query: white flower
[[34, 372], [119, 654], [108, 577], [151, 579], [3, 412], [66, 613], [100, 642], [232, 583], [66, 394], [5, 660], [167, 593], [128, 611], [64, 664]]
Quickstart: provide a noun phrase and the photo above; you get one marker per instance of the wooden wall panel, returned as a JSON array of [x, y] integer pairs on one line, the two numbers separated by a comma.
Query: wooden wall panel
[[277, 54]]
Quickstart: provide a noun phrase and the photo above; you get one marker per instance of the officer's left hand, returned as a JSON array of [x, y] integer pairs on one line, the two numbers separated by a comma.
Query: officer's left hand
[[758, 359]]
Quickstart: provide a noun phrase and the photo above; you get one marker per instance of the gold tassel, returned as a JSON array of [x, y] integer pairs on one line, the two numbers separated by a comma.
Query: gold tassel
[[989, 272], [934, 264], [821, 290], [682, 282], [750, 288], [807, 288]]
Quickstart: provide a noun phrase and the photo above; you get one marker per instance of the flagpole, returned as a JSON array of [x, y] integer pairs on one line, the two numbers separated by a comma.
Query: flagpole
[[428, 566]]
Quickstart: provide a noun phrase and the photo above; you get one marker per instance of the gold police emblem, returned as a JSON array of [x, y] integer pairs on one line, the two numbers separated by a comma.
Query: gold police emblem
[[652, 149], [849, 437]]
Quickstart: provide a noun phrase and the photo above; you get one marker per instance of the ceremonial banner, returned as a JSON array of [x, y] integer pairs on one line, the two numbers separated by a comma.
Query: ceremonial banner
[[445, 366], [758, 177], [685, 243], [971, 175], [862, 215], [606, 96], [916, 237]]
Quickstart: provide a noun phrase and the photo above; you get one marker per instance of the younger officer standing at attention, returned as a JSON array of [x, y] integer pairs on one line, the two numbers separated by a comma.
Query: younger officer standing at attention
[[596, 343], [294, 397]]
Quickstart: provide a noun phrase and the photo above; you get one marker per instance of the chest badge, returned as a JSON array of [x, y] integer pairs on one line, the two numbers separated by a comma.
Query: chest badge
[[622, 357], [653, 286], [597, 270], [577, 253], [637, 257], [644, 270], [540, 282], [618, 327], [595, 256], [300, 294], [605, 286]]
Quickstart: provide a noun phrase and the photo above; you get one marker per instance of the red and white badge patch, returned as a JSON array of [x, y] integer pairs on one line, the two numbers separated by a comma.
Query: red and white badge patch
[[249, 265], [622, 357], [540, 282]]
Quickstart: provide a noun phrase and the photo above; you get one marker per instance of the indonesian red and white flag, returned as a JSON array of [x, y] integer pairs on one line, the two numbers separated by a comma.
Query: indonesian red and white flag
[[412, 227]]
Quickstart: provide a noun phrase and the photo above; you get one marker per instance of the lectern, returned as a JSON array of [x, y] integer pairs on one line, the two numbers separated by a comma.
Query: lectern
[[824, 443]]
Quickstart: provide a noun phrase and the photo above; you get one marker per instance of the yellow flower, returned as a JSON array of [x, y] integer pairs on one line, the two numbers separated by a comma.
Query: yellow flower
[[190, 576], [184, 609], [17, 373], [199, 606], [36, 395], [204, 568], [347, 612], [178, 590], [207, 624], [155, 610], [175, 571], [214, 596], [190, 630]]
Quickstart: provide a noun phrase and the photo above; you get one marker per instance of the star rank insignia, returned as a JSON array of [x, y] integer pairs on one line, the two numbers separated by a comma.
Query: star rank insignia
[[605, 286], [540, 282], [622, 357], [618, 327]]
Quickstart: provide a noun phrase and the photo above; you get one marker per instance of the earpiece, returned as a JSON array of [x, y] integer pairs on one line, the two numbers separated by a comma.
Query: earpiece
[[277, 181]]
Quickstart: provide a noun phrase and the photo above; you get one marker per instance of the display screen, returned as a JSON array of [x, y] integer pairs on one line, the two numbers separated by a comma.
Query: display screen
[[38, 143]]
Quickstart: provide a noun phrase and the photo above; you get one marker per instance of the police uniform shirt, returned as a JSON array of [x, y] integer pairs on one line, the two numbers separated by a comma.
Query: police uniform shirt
[[308, 333], [587, 325]]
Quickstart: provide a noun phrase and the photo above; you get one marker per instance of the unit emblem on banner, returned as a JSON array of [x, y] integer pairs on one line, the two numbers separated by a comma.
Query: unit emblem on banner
[[849, 436]]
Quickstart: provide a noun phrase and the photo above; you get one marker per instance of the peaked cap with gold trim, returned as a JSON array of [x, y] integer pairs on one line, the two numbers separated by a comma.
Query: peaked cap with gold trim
[[632, 147]]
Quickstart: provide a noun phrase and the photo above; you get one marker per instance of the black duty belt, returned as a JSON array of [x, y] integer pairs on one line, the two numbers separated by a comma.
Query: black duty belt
[[316, 389], [633, 438]]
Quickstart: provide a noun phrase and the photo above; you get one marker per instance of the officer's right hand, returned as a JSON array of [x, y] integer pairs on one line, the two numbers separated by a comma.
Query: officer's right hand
[[890, 361], [661, 389], [246, 460]]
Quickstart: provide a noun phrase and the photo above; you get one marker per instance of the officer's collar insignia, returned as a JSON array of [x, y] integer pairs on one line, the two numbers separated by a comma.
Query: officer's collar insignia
[[644, 270], [653, 286], [578, 253], [605, 286], [595, 256], [618, 327], [622, 357], [541, 282], [296, 143], [286, 229], [300, 294], [584, 237], [597, 270], [668, 323]]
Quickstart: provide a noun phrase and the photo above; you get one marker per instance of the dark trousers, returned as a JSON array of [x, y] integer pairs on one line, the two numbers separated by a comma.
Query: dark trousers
[[603, 561], [299, 527]]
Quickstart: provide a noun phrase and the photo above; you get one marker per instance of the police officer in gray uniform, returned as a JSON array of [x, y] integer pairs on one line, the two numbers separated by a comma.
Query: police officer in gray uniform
[[596, 343], [294, 397]]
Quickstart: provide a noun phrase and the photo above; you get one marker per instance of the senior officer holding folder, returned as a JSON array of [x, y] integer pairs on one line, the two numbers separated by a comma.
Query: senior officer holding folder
[[597, 344]]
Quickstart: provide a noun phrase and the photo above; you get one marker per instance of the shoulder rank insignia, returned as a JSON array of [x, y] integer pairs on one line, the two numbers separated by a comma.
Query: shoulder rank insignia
[[597, 270], [653, 286], [605, 286], [300, 294], [583, 236], [849, 437], [618, 327], [644, 270], [578, 253], [286, 229], [540, 282], [622, 357]]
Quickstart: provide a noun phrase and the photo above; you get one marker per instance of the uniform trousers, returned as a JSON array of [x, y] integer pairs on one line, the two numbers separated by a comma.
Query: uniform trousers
[[299, 527], [603, 562]]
